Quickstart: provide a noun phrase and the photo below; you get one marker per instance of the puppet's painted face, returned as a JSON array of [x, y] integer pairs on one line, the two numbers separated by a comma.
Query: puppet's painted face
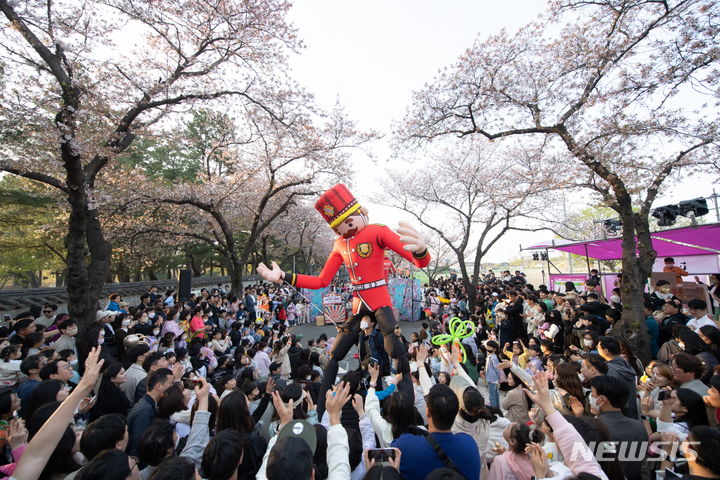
[[351, 225]]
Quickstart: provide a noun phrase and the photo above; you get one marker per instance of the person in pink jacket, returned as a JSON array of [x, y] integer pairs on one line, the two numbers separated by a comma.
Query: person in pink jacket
[[577, 456], [516, 462]]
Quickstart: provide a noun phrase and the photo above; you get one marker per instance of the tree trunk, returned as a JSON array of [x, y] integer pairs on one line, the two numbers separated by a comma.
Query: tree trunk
[[632, 326], [137, 276], [83, 293], [34, 280], [123, 273], [236, 278]]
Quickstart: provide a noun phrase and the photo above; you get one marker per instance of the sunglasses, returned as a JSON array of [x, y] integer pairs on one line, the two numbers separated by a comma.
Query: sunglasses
[[47, 311]]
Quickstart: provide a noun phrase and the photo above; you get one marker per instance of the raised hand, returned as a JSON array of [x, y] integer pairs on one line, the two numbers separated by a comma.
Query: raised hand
[[538, 459], [86, 404], [284, 410], [335, 399], [577, 408], [17, 434], [274, 274], [311, 406], [374, 370], [413, 240], [421, 354], [203, 388], [395, 461], [457, 353], [93, 363], [541, 396], [270, 386], [358, 405], [178, 370]]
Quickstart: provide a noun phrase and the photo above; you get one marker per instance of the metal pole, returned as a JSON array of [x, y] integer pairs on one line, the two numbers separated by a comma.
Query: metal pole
[[587, 260], [602, 290], [547, 257], [715, 200]]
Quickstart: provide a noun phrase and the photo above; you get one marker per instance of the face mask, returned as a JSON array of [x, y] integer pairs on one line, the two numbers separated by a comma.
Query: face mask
[[156, 332], [74, 363], [101, 341], [125, 323], [582, 377], [364, 325], [72, 331], [587, 342], [681, 345], [593, 403]]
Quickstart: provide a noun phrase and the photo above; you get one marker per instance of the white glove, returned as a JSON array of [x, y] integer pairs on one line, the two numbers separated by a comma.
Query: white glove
[[413, 240], [274, 275]]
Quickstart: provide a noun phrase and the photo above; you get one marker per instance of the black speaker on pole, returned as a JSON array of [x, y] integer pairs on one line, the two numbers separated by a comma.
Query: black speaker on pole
[[185, 285]]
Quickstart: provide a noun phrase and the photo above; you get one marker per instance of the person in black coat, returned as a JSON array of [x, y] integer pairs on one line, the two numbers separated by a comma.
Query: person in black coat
[[110, 398], [512, 327], [672, 309]]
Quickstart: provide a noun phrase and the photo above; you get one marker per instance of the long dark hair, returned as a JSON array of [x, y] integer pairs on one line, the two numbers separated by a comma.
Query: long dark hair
[[696, 412], [596, 434], [61, 460], [474, 408], [568, 379], [523, 435], [626, 350], [233, 413], [518, 384], [400, 412], [172, 401]]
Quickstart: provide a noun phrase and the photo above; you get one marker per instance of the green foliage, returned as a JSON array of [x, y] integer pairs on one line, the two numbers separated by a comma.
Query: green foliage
[[31, 230], [198, 151], [161, 160]]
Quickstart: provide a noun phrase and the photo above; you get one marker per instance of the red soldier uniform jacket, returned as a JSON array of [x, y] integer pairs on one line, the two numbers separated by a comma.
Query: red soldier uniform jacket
[[364, 257]]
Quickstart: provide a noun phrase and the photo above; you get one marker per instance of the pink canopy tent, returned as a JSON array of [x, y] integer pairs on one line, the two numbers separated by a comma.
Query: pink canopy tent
[[699, 240]]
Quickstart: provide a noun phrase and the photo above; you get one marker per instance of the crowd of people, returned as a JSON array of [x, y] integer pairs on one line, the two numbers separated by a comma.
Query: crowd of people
[[543, 385]]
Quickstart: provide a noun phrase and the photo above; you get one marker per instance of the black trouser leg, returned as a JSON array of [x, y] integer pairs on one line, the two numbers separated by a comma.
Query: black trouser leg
[[394, 347], [343, 343]]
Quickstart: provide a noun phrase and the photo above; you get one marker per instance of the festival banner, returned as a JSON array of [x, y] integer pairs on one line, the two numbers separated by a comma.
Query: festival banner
[[557, 281], [333, 308]]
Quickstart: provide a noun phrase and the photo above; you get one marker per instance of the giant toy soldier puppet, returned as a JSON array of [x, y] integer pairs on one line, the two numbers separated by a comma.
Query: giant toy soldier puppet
[[361, 246]]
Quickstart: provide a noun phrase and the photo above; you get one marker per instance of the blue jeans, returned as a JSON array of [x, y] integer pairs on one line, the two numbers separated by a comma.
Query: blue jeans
[[494, 394]]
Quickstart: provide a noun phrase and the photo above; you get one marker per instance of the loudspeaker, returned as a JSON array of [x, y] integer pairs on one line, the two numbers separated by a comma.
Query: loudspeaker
[[185, 285]]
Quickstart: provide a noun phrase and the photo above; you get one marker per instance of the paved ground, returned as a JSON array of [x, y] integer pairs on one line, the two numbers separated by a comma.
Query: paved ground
[[313, 332]]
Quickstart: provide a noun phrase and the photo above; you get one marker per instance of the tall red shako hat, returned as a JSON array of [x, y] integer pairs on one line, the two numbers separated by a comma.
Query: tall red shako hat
[[336, 204]]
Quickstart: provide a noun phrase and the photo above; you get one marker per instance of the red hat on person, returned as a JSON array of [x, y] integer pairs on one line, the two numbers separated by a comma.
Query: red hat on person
[[336, 204]]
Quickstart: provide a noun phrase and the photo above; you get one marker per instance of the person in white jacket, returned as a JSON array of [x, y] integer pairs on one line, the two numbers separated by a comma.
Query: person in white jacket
[[337, 441]]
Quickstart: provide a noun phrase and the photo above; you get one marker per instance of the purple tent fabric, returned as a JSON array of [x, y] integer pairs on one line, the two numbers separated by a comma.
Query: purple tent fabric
[[700, 240]]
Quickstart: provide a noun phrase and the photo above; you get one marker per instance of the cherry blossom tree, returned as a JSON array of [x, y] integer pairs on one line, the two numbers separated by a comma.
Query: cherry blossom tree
[[267, 176], [470, 195], [83, 79], [628, 89], [442, 254]]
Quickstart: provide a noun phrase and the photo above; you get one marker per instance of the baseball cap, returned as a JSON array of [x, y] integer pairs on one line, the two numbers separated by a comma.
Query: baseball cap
[[299, 429], [105, 313]]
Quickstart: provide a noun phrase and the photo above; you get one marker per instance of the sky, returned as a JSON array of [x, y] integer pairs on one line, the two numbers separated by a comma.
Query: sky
[[371, 55]]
